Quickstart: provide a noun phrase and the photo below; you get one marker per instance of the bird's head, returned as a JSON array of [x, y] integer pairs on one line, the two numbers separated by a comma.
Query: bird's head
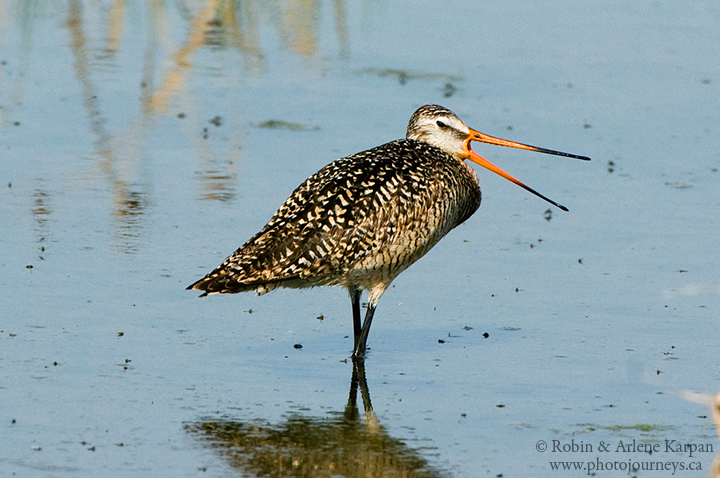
[[440, 127]]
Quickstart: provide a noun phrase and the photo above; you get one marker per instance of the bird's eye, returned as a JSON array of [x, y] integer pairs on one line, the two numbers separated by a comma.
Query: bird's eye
[[441, 124]]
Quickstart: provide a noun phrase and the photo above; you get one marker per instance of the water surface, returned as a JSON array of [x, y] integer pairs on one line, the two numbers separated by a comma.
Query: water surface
[[142, 142]]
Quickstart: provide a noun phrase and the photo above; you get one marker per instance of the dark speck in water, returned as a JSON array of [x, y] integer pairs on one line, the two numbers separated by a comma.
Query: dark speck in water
[[449, 90]]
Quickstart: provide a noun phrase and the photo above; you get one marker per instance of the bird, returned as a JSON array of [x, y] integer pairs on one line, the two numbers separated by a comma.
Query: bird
[[363, 219]]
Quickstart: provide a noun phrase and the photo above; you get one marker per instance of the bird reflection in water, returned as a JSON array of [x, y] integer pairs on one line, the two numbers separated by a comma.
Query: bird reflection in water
[[341, 445]]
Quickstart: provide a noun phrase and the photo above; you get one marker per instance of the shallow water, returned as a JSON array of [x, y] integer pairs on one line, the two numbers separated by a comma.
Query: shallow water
[[143, 143]]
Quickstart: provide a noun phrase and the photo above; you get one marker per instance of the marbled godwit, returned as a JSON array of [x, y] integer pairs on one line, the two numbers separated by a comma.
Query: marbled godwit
[[362, 220]]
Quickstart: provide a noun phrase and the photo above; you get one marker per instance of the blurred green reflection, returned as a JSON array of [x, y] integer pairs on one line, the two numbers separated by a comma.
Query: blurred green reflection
[[340, 445]]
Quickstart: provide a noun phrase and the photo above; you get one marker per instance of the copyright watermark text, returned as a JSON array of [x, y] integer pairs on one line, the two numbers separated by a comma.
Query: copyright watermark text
[[667, 455]]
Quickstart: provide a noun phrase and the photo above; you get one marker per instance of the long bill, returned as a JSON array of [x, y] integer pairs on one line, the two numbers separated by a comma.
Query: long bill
[[484, 138]]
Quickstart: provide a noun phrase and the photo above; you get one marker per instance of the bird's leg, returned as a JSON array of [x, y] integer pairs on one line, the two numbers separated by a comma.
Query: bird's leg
[[355, 294], [360, 341]]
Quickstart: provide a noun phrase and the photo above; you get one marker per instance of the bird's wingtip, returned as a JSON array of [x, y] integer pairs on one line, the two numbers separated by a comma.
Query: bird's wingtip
[[194, 286], [201, 295]]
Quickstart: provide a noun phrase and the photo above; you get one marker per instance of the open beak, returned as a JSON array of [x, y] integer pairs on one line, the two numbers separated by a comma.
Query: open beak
[[484, 138]]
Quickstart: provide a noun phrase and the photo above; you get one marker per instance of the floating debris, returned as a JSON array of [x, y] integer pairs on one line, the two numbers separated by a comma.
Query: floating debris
[[280, 124], [403, 76], [679, 185]]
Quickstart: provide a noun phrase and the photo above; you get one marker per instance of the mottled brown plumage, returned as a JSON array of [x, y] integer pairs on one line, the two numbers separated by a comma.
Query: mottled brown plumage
[[362, 220]]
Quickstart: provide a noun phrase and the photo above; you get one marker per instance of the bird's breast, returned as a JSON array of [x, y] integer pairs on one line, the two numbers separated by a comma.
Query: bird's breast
[[416, 195]]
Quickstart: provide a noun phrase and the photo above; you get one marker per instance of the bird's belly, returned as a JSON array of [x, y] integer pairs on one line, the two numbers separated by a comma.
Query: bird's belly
[[387, 259]]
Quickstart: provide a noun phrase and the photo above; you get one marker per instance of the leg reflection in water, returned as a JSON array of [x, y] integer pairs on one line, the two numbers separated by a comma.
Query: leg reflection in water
[[338, 444], [351, 410]]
